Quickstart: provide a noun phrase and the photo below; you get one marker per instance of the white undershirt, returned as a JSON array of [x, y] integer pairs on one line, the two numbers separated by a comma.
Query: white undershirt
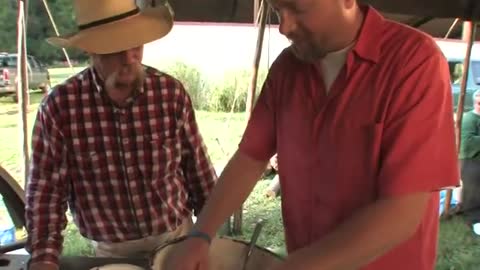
[[331, 65]]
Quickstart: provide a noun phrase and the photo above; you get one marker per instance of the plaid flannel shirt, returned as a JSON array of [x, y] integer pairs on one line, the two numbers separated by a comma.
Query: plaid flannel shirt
[[126, 173]]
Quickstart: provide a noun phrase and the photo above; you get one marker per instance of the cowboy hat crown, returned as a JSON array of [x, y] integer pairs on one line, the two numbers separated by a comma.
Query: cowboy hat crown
[[109, 26]]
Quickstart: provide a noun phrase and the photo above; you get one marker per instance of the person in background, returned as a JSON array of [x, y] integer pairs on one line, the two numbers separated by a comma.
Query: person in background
[[274, 187], [469, 157]]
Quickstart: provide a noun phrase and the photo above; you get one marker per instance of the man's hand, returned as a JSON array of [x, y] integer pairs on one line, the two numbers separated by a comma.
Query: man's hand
[[43, 266], [191, 254]]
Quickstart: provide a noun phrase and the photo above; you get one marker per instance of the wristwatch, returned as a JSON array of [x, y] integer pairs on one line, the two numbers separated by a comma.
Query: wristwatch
[[199, 234]]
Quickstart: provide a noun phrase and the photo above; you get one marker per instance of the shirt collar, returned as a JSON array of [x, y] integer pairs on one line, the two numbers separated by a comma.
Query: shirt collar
[[368, 45], [97, 80]]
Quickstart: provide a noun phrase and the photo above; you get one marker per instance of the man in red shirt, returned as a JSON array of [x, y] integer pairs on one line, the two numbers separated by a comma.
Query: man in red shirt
[[359, 110]]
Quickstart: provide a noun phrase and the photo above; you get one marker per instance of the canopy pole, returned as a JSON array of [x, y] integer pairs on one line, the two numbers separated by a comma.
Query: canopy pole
[[256, 60], [256, 10], [58, 34], [237, 216], [469, 33], [22, 86], [454, 24]]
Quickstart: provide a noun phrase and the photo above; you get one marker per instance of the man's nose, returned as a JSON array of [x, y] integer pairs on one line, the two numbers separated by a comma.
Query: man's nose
[[131, 56], [287, 23]]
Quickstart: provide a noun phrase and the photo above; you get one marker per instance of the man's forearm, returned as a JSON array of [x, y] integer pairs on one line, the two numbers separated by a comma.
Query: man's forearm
[[45, 251], [45, 220], [233, 187], [371, 233]]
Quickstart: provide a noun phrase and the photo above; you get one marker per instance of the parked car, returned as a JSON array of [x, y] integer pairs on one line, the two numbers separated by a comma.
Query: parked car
[[455, 51], [38, 76]]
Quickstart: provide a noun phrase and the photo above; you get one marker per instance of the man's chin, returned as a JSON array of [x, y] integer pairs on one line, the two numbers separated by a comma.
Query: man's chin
[[129, 84], [122, 80], [301, 54], [125, 84]]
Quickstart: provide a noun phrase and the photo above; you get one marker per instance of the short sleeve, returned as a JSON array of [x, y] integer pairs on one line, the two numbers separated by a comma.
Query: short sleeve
[[418, 143]]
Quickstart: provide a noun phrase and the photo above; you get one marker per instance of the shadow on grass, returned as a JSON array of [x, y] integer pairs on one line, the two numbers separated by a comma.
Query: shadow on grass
[[12, 112], [35, 97]]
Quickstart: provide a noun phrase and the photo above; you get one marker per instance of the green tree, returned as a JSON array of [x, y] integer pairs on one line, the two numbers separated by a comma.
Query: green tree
[[39, 28], [8, 24]]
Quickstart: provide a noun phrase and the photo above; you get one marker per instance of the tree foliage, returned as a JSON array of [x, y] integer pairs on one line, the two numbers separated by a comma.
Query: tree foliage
[[39, 28]]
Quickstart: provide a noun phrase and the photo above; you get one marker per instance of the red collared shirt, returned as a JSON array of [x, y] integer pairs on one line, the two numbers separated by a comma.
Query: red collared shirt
[[127, 172], [385, 129]]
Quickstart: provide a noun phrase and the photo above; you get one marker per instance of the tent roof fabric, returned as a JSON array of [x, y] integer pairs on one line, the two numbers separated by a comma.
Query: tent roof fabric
[[464, 9], [432, 16], [218, 10]]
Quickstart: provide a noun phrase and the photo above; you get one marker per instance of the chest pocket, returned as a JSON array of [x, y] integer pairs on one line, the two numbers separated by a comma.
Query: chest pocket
[[91, 157], [165, 153], [356, 152], [160, 160]]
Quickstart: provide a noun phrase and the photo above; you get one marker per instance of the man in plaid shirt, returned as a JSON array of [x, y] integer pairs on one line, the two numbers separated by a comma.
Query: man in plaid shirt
[[117, 142]]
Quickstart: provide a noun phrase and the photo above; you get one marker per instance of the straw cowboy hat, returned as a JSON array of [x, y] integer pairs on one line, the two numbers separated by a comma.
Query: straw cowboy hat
[[109, 26]]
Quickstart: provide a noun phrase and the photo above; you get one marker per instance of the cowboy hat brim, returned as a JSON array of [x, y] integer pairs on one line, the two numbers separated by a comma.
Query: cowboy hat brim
[[131, 32]]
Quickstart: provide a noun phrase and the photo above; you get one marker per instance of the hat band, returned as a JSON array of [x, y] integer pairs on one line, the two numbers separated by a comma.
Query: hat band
[[109, 19]]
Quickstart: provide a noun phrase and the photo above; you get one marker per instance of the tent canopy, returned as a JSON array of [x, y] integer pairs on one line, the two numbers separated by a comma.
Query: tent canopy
[[432, 16], [464, 9]]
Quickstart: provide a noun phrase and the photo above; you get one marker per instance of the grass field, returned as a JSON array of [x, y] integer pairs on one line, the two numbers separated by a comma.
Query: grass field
[[458, 248]]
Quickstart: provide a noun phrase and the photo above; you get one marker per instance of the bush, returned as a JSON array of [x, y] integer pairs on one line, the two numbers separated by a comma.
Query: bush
[[222, 95], [230, 94], [193, 82]]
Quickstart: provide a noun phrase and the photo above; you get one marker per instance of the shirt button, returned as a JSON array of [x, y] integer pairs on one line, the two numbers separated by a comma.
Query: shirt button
[[125, 140], [130, 170]]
